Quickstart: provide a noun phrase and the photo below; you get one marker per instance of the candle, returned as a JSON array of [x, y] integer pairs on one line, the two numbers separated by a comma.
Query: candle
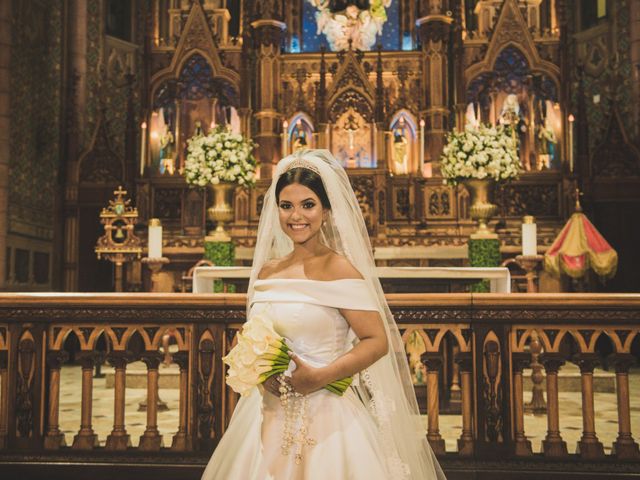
[[143, 147], [155, 238], [529, 236], [571, 120], [285, 138], [427, 170], [422, 146]]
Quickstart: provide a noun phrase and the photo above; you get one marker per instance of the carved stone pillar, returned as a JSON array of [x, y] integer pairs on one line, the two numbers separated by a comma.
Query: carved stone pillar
[[86, 439], [624, 447], [182, 440], [553, 445], [119, 439], [433, 362], [434, 31], [268, 36], [522, 445], [54, 438], [465, 367], [151, 440]]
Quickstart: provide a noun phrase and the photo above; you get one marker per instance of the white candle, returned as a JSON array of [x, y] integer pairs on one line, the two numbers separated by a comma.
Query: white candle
[[285, 138], [422, 145], [529, 236], [155, 238], [571, 120], [143, 147]]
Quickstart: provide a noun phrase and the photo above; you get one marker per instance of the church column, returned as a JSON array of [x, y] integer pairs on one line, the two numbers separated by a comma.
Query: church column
[[268, 34], [5, 74], [76, 103], [634, 33], [434, 27]]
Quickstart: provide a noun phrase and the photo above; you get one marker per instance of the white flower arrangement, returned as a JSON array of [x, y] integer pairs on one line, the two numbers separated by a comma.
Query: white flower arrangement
[[482, 151], [220, 156]]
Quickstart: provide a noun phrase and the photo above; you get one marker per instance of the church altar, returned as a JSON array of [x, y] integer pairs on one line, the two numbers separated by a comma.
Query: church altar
[[498, 277]]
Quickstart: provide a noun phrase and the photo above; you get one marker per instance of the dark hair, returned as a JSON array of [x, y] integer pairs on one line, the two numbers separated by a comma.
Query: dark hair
[[306, 177]]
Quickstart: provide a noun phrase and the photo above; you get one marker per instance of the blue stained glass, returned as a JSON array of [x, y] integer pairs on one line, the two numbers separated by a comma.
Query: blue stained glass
[[407, 41], [295, 44]]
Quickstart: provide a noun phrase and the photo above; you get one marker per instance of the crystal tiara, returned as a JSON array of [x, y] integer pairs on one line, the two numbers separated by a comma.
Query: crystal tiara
[[302, 163]]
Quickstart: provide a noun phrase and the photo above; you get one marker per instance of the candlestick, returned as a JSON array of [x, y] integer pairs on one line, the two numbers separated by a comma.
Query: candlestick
[[143, 147], [529, 237], [155, 238], [422, 123], [285, 138], [571, 120]]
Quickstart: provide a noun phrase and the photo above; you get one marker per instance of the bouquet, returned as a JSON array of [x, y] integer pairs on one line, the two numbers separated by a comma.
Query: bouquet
[[220, 156], [479, 152], [260, 353]]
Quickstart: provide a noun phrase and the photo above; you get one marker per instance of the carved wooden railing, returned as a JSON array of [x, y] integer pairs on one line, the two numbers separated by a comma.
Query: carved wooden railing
[[477, 345]]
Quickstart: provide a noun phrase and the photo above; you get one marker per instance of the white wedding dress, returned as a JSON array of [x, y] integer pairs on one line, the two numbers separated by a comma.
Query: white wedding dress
[[348, 444]]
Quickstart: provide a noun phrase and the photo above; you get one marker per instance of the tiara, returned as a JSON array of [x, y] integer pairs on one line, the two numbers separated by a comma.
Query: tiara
[[302, 163]]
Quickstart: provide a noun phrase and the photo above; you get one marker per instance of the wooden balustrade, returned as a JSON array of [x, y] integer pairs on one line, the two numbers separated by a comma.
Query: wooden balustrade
[[476, 344]]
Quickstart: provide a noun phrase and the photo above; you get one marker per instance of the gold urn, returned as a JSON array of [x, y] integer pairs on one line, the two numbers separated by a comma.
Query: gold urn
[[221, 211], [481, 191]]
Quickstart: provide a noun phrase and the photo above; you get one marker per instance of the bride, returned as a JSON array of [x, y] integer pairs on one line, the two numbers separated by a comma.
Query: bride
[[313, 272]]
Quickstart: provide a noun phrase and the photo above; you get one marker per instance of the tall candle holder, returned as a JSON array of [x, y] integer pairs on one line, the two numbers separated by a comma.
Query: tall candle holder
[[155, 265]]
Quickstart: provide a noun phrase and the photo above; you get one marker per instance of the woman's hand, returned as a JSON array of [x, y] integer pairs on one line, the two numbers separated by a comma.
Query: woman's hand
[[305, 379], [272, 385]]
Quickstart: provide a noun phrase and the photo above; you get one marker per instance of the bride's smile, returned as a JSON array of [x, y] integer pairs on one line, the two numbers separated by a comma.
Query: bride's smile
[[301, 212]]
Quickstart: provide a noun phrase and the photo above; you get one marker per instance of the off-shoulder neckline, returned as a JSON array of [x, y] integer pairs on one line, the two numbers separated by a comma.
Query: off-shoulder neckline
[[309, 280]]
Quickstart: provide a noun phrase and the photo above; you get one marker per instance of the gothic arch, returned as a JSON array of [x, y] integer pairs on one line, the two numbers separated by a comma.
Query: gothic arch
[[195, 39], [511, 30]]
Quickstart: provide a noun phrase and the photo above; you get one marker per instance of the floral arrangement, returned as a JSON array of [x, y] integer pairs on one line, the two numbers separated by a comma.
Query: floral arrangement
[[260, 353], [358, 25], [482, 151], [220, 156]]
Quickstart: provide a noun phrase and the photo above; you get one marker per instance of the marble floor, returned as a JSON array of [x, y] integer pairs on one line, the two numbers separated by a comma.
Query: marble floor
[[450, 425]]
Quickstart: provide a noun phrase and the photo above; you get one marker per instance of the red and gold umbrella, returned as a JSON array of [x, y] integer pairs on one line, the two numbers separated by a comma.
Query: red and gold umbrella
[[578, 247]]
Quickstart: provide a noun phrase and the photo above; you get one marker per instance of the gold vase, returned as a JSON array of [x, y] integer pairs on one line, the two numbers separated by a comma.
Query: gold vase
[[221, 211], [481, 191]]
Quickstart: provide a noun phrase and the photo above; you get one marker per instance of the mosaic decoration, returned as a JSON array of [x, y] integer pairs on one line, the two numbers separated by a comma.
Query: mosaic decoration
[[35, 125], [333, 24]]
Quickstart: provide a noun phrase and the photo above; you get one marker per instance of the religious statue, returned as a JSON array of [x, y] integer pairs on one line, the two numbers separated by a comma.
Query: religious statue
[[299, 137], [400, 149], [198, 132], [513, 119], [167, 151], [547, 141], [472, 115]]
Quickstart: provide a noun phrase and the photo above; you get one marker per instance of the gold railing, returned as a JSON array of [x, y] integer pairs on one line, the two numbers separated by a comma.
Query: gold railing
[[474, 347]]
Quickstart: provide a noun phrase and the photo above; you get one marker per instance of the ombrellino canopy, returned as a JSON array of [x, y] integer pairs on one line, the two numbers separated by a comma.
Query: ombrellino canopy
[[578, 247]]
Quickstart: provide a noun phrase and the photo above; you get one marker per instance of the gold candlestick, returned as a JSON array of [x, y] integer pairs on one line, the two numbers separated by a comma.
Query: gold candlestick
[[155, 265], [530, 264]]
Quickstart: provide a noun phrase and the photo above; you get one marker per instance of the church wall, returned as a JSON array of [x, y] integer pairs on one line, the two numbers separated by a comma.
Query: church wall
[[604, 51], [34, 142], [5, 119]]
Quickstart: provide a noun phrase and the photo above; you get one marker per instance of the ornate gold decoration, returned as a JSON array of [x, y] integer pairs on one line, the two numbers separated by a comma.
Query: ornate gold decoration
[[481, 207], [119, 244], [221, 211]]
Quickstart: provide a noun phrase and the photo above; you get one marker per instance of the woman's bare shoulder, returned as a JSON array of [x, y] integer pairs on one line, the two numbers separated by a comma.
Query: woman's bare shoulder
[[338, 267], [269, 268]]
